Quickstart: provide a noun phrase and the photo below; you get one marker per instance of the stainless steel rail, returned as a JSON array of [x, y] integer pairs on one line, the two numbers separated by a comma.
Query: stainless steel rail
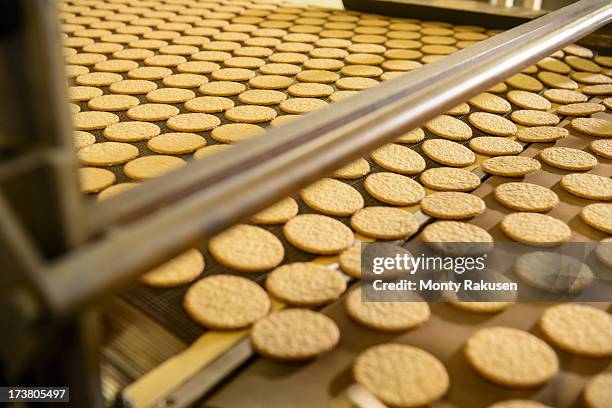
[[210, 195]]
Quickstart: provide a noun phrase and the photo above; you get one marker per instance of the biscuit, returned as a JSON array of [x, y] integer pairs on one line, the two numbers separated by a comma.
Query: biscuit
[[452, 205], [115, 189], [235, 132], [448, 153], [332, 197], [590, 186], [176, 143], [558, 81], [384, 223], [564, 96], [578, 329], [528, 100], [350, 262], [525, 83], [178, 271], [294, 335], [495, 146], [262, 97], [481, 308], [364, 59], [541, 134], [414, 136], [248, 62], [152, 112], [209, 104], [280, 69], [318, 76], [602, 147], [107, 154], [457, 238], [492, 124], [598, 392], [278, 213], [582, 64], [449, 128], [310, 90], [578, 50], [170, 95], [366, 71], [400, 315], [511, 166], [271, 82], [149, 73], [226, 302], [518, 403], [222, 88], [354, 170], [553, 272], [605, 89], [449, 179], [400, 375], [527, 117], [526, 197], [113, 103], [536, 229], [608, 103], [399, 159], [93, 120], [82, 139], [355, 83], [279, 120], [147, 167], [132, 87], [131, 131], [98, 79], [185, 80], [92, 179], [554, 65], [305, 284], [511, 357], [394, 188], [567, 158], [247, 248], [302, 105], [589, 78], [318, 234], [593, 126], [489, 102], [281, 57], [598, 216], [193, 122], [209, 150], [498, 88], [232, 74]]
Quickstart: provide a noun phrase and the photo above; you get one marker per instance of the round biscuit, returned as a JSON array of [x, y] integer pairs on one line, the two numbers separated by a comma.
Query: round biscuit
[[526, 197], [226, 302], [318, 234], [510, 166], [247, 248], [305, 284], [384, 223], [449, 179], [147, 167], [399, 159], [394, 188], [578, 329], [278, 213], [178, 271], [535, 228], [400, 375], [452, 205], [511, 357], [294, 335]]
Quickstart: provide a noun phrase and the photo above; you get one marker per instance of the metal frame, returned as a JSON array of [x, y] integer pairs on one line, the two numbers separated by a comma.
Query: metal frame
[[48, 280]]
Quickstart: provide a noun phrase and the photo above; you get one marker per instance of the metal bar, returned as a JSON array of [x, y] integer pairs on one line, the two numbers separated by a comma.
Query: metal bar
[[211, 195]]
